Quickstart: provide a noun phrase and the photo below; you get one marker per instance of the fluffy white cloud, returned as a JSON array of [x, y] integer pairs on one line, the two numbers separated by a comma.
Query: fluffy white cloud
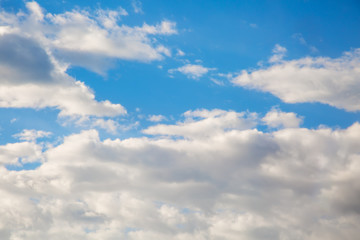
[[193, 71], [30, 75], [276, 118], [21, 152], [109, 125], [326, 80], [36, 49], [89, 39], [293, 183]]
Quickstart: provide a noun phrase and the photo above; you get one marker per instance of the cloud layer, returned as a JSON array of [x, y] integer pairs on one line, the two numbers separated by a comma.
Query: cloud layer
[[215, 174], [230, 183]]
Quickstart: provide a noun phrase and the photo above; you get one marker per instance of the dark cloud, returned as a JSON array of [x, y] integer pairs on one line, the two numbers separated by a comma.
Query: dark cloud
[[23, 60]]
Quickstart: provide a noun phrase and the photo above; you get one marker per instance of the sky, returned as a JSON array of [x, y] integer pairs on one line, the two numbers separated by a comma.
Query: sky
[[138, 119]]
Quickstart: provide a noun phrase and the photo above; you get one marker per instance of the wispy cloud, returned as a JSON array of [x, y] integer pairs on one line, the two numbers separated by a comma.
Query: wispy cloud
[[156, 118], [299, 37], [137, 6], [194, 71]]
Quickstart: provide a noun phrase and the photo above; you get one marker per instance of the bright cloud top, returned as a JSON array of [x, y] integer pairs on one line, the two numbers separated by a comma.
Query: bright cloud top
[[331, 81], [84, 38], [276, 118]]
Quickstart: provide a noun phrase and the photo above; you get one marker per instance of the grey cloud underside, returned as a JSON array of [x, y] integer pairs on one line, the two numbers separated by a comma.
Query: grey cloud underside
[[37, 48], [23, 60], [31, 77], [288, 184]]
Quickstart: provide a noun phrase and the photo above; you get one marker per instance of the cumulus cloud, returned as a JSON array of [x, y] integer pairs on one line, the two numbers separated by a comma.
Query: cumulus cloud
[[20, 152], [194, 71], [109, 125], [333, 81], [30, 77], [89, 39], [293, 183], [276, 118]]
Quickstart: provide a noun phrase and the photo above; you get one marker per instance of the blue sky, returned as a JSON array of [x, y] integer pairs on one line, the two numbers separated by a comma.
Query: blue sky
[[228, 36], [143, 91]]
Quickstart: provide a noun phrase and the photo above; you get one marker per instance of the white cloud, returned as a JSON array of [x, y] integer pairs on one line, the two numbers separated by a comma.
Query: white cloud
[[109, 18], [109, 125], [36, 12], [180, 53], [293, 183], [276, 118], [333, 81], [89, 39], [156, 118], [31, 78], [164, 50], [279, 53], [202, 123], [21, 152], [193, 71], [31, 134]]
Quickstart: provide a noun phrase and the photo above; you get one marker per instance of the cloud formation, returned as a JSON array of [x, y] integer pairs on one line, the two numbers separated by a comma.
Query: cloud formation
[[194, 71], [156, 118], [36, 48], [235, 181], [202, 123], [31, 134], [333, 81], [89, 39], [276, 118]]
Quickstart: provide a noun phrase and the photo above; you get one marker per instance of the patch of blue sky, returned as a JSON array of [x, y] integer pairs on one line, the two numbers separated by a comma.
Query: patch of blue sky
[[25, 166]]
